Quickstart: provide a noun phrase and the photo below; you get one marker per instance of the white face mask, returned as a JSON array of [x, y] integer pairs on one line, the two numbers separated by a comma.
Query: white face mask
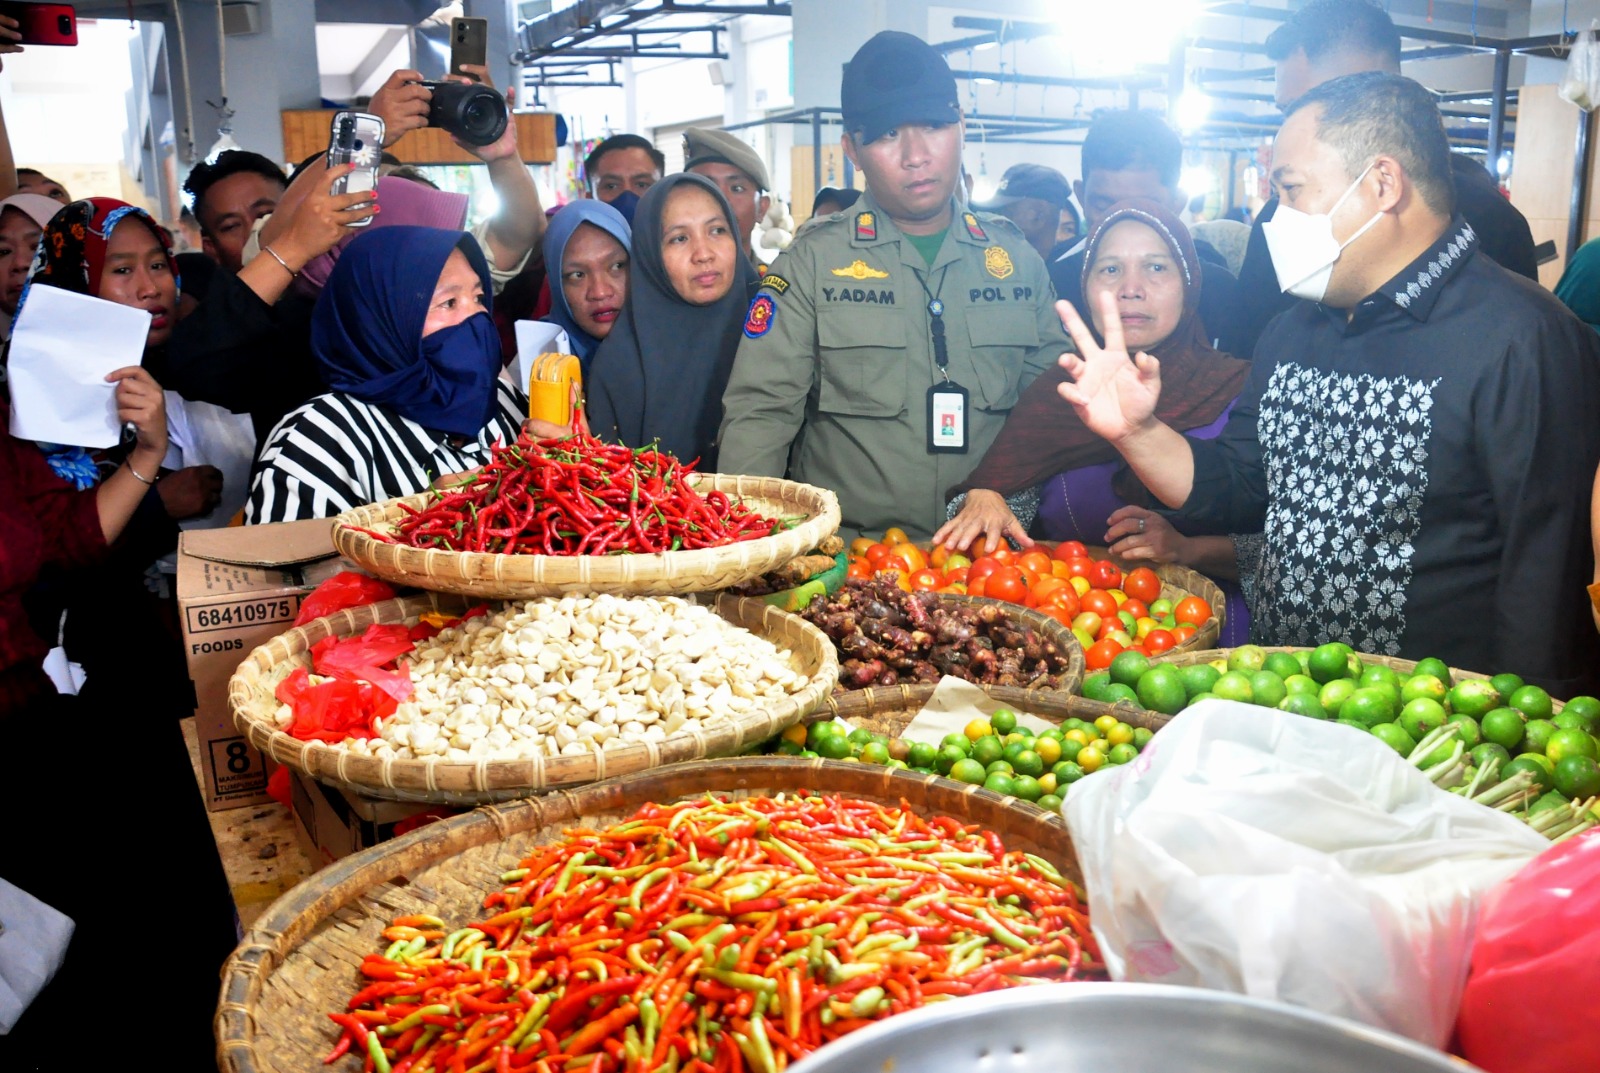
[[1303, 248]]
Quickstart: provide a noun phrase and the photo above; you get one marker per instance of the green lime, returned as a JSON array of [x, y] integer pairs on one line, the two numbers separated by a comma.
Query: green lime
[[960, 741], [1268, 688], [1026, 787], [817, 731], [1002, 766], [833, 746], [1329, 662], [1469, 732], [1302, 683], [949, 756], [1578, 777], [1000, 783], [1569, 721], [1072, 722], [1049, 802], [1142, 736], [986, 750], [807, 754], [1334, 693], [896, 765], [1199, 678], [789, 748], [1054, 734], [1395, 737], [1235, 685], [1282, 664], [1094, 686], [1066, 773], [1121, 754], [1423, 687], [1352, 723], [1541, 770], [1536, 735], [1585, 708], [968, 771], [874, 753], [1531, 701], [860, 736], [1369, 707], [1015, 737], [921, 754], [1422, 715], [1305, 704], [1247, 658], [1198, 697], [1161, 689], [1489, 751], [1118, 691], [1507, 684], [1003, 720], [1503, 726], [1565, 743], [1434, 668], [1128, 666], [1378, 675], [1473, 697], [1028, 762]]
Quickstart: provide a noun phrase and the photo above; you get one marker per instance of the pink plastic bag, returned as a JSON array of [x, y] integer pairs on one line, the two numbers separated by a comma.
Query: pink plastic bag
[[1537, 955]]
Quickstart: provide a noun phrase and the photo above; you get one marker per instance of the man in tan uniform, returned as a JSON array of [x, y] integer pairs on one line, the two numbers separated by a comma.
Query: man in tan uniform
[[888, 343]]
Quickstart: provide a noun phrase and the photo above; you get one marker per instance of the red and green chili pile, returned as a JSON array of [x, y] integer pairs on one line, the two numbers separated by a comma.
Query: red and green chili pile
[[715, 936], [578, 496]]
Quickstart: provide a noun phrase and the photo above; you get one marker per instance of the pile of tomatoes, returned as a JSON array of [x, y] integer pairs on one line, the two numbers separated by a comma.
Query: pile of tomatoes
[[1108, 611]]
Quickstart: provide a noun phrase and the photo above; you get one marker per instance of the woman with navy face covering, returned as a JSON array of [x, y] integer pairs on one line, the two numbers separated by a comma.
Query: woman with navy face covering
[[404, 340]]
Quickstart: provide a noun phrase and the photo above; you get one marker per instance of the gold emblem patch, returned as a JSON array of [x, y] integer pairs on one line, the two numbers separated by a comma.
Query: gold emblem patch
[[862, 270], [998, 262]]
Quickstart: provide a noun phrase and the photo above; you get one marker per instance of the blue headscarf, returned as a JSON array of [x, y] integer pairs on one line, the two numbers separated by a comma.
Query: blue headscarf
[[563, 225], [366, 331]]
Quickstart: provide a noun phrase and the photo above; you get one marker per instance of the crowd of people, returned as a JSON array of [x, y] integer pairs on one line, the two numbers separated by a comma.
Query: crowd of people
[[1358, 410]]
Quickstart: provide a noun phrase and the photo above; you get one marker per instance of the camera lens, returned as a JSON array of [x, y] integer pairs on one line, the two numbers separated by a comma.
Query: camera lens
[[64, 25], [475, 114]]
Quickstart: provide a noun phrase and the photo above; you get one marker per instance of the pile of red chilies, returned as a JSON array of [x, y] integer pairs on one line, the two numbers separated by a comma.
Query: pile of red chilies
[[715, 936], [577, 496]]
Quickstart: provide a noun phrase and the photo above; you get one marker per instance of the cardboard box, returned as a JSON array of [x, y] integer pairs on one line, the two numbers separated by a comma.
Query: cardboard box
[[237, 589], [332, 822]]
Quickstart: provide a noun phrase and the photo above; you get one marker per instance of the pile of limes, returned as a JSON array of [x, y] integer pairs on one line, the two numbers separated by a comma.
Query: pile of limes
[[993, 753], [1500, 718]]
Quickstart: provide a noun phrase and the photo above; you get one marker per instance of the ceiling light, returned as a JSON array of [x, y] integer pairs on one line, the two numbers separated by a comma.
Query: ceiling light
[[1192, 110]]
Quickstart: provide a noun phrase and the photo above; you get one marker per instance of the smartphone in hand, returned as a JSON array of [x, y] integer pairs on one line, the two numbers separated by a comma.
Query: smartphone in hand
[[469, 44], [45, 24], [356, 138]]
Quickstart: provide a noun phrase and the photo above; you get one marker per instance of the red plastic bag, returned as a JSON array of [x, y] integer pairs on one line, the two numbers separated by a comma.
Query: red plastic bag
[[364, 658], [347, 589], [1537, 955], [334, 710]]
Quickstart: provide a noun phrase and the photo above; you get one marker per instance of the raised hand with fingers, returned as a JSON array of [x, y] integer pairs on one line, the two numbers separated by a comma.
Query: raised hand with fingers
[[503, 147], [1115, 396], [984, 522], [317, 223], [401, 104]]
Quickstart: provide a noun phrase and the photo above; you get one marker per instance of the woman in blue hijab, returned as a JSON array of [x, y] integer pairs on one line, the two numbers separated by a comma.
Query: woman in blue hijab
[[586, 252], [403, 337]]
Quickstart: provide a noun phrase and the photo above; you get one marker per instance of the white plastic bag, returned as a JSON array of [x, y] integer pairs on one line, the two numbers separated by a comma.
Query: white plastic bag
[[1580, 82], [1290, 859], [33, 943]]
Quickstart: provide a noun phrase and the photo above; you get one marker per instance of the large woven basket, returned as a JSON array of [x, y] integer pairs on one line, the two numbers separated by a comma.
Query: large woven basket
[[250, 696], [1178, 582], [917, 693], [300, 960], [889, 711], [701, 570]]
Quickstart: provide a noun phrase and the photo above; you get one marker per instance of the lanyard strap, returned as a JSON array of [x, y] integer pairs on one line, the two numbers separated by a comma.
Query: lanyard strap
[[941, 352]]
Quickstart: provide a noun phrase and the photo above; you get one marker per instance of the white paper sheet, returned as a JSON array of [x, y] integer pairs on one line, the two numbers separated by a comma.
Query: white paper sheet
[[535, 337], [954, 704], [63, 347]]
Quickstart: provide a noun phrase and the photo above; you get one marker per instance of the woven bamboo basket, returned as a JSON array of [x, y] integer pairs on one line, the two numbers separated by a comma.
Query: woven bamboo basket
[[1394, 663], [1178, 582], [887, 697], [250, 696], [506, 576], [889, 711], [301, 959]]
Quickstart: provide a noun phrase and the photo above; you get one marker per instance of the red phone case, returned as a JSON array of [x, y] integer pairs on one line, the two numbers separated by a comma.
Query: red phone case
[[44, 24]]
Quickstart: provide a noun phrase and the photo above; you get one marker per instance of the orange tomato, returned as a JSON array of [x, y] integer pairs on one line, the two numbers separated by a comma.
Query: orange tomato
[[1044, 586], [914, 556], [1100, 655], [1134, 607], [859, 546], [1066, 598], [1006, 584], [982, 568], [1100, 602], [1059, 569], [1035, 559], [877, 553], [1070, 549], [1078, 566], [1143, 584], [938, 555], [926, 579], [902, 578], [1105, 575], [895, 562], [1058, 613], [1030, 578], [1159, 641], [860, 569], [1192, 611], [895, 535], [1183, 633], [958, 576]]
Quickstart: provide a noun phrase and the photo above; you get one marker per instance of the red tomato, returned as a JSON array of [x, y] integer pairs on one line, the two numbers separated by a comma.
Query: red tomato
[[1143, 584], [877, 553], [1035, 559], [926, 579], [1192, 611], [894, 562], [1003, 554], [1078, 566], [1183, 633], [1100, 602], [1059, 613], [1158, 641], [1066, 598], [914, 556], [859, 569], [982, 568], [1105, 575], [1135, 608], [1109, 625], [1070, 549], [1100, 655], [978, 586], [1042, 588], [1141, 649], [1006, 584]]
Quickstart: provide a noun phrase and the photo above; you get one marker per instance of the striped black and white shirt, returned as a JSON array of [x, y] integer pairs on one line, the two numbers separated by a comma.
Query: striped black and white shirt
[[336, 453]]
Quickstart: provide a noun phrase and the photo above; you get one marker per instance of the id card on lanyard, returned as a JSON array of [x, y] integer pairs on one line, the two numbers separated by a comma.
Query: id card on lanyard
[[947, 400]]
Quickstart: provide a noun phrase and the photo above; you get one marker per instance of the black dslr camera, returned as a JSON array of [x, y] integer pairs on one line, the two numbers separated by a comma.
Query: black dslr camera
[[474, 113]]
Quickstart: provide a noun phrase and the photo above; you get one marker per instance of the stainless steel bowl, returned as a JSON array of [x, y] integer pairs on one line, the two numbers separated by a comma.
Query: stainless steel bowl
[[1121, 1028]]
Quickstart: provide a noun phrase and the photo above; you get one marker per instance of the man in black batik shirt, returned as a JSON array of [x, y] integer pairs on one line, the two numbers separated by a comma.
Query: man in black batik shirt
[[1418, 438]]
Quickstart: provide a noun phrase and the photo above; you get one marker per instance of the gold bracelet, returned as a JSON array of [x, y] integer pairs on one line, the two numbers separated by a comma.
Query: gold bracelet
[[269, 251], [147, 480]]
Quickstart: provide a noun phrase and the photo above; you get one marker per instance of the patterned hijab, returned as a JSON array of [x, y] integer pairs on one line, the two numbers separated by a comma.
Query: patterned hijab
[[71, 256]]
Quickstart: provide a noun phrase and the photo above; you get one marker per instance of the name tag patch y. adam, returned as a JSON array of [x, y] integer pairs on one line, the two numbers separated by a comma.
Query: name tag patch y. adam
[[868, 295], [758, 321]]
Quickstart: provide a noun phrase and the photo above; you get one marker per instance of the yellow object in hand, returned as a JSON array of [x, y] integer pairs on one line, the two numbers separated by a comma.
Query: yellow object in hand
[[554, 385]]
